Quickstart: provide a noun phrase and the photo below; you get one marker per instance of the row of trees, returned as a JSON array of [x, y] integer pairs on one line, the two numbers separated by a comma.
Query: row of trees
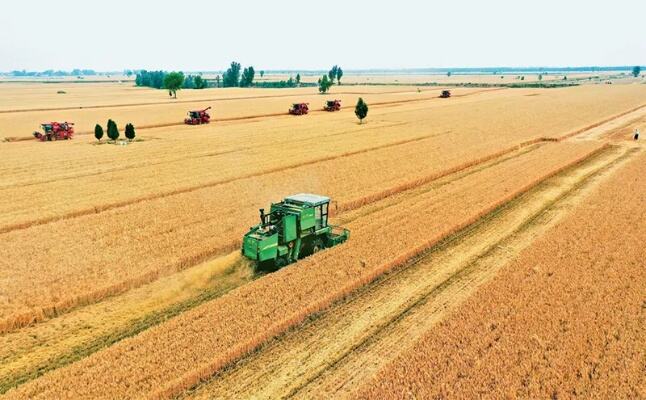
[[233, 78], [172, 81], [113, 131], [326, 81]]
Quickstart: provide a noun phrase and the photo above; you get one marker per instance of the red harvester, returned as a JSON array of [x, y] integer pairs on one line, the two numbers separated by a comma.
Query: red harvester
[[299, 109], [55, 131], [198, 117], [332, 105]]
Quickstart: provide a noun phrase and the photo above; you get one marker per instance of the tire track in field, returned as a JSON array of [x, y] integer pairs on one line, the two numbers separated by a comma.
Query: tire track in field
[[333, 353]]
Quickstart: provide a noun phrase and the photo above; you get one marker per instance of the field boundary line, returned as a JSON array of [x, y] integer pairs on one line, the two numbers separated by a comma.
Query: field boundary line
[[203, 372], [594, 125]]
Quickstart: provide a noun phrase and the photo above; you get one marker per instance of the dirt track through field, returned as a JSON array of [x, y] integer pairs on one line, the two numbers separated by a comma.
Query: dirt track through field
[[331, 354]]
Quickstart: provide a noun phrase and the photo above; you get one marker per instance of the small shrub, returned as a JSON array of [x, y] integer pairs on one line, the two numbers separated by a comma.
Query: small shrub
[[130, 132], [98, 132], [113, 131]]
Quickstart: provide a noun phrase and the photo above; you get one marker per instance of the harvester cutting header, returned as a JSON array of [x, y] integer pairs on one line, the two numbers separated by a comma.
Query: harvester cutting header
[[294, 228], [55, 131]]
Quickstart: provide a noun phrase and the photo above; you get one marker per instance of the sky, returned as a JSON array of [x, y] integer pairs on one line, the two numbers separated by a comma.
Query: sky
[[202, 35]]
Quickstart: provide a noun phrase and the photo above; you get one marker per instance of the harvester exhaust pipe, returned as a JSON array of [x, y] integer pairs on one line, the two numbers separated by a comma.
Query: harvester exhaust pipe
[[262, 216]]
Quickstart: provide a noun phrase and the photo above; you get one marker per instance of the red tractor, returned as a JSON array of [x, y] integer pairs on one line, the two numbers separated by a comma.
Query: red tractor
[[332, 105], [299, 109], [198, 117], [55, 131], [445, 94]]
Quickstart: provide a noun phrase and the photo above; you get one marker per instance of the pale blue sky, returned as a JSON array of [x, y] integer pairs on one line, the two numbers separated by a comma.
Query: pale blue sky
[[207, 35]]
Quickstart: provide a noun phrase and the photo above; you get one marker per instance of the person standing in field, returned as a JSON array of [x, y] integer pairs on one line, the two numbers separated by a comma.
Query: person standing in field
[[636, 136]]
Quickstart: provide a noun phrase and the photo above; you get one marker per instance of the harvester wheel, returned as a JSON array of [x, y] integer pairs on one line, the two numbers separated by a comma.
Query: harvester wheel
[[280, 262], [317, 246]]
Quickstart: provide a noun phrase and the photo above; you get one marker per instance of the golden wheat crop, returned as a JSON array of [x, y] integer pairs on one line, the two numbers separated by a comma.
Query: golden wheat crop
[[132, 211], [565, 318], [176, 355]]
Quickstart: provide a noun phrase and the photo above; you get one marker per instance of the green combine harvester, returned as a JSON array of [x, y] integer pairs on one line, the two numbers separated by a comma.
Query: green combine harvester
[[294, 228]]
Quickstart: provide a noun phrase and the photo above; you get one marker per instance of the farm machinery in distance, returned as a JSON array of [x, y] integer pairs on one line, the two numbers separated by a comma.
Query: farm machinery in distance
[[294, 228], [198, 117], [445, 94], [299, 109], [332, 105], [55, 131]]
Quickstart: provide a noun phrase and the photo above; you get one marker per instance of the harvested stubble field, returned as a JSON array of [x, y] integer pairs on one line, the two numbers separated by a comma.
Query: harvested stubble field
[[130, 233], [564, 320]]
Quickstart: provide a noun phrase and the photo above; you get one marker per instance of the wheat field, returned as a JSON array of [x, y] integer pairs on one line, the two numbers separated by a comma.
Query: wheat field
[[142, 236]]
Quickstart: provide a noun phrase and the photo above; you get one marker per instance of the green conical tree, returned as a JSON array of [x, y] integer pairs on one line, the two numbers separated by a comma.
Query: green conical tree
[[130, 132], [361, 110], [98, 132], [113, 131], [324, 84]]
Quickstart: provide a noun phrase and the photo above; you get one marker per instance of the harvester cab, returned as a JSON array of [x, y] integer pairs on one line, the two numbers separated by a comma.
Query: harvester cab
[[198, 117], [55, 131], [294, 228], [445, 94], [332, 105], [299, 109]]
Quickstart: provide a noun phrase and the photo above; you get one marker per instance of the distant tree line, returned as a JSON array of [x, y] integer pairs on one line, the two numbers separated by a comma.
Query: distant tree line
[[173, 81], [232, 77], [51, 72], [326, 81], [289, 83]]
